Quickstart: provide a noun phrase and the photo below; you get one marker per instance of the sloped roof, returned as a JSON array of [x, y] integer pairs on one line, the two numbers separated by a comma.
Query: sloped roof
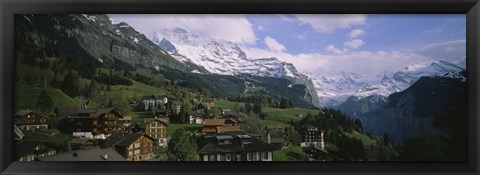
[[214, 122], [239, 142], [165, 121], [92, 154], [75, 112], [130, 138], [27, 146]]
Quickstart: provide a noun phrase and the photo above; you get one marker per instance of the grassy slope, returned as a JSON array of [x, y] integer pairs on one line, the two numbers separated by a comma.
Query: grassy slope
[[290, 153], [364, 138], [26, 96]]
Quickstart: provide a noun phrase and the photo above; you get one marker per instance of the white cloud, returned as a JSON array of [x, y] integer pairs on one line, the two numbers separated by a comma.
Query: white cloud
[[356, 33], [328, 23], [232, 27], [451, 51], [332, 48], [354, 44], [274, 45], [260, 27], [366, 63], [433, 31]]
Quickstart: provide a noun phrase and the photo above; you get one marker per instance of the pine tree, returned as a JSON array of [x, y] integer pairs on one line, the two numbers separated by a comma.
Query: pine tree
[[44, 102], [70, 84]]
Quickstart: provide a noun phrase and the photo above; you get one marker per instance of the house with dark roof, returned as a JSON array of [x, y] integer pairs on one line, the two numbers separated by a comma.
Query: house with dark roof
[[234, 116], [91, 123], [133, 147], [313, 152], [277, 137], [29, 120], [91, 154], [196, 116], [32, 150], [234, 146], [157, 128]]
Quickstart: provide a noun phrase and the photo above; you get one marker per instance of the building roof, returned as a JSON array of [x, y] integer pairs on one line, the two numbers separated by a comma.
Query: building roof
[[232, 141], [214, 122], [92, 154], [165, 121], [125, 140], [25, 112], [314, 150], [75, 112], [24, 147]]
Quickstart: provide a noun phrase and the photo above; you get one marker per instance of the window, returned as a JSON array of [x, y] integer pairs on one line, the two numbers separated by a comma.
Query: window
[[136, 152], [213, 158], [264, 156], [222, 157], [106, 129], [161, 135], [130, 153], [238, 157], [137, 145], [228, 157], [94, 122]]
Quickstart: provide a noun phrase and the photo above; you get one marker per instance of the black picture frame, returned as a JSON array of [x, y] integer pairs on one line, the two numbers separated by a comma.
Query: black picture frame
[[471, 8]]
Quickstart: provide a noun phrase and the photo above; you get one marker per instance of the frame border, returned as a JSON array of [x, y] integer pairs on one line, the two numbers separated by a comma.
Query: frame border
[[10, 7]]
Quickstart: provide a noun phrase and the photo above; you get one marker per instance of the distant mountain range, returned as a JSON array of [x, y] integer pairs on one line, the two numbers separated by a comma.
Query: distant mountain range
[[333, 90]]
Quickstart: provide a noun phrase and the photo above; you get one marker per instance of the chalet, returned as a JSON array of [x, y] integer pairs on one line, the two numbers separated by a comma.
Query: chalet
[[92, 123], [313, 152], [81, 143], [126, 121], [235, 116], [91, 154], [174, 106], [196, 117], [277, 137], [231, 122], [234, 146], [133, 147], [157, 128], [311, 136], [30, 121], [17, 133], [32, 150], [152, 102], [215, 126]]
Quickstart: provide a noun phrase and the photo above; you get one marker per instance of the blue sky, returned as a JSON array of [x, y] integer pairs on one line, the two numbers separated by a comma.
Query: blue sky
[[364, 44]]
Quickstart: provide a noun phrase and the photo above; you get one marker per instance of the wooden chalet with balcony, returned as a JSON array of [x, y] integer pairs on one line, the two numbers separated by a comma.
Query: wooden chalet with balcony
[[91, 123], [29, 120]]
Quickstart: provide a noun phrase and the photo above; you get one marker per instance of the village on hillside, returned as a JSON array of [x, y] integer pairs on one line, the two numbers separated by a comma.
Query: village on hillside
[[80, 133]]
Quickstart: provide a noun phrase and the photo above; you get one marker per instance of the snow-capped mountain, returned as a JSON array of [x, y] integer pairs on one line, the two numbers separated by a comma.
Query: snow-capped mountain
[[219, 56], [335, 89]]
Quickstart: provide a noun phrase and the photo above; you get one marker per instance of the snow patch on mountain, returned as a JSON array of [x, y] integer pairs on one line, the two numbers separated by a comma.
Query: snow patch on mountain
[[335, 89], [219, 56]]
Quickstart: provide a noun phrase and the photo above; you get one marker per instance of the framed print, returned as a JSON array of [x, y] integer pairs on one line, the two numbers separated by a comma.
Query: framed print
[[304, 87]]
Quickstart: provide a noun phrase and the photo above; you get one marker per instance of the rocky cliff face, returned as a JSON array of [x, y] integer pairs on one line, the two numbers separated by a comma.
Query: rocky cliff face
[[412, 110], [102, 40]]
